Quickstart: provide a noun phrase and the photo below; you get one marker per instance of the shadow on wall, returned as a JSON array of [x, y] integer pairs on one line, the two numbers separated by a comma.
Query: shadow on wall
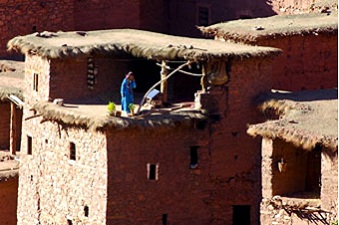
[[185, 15]]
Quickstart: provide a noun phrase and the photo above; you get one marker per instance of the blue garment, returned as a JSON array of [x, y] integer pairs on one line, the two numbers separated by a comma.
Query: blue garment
[[127, 96]]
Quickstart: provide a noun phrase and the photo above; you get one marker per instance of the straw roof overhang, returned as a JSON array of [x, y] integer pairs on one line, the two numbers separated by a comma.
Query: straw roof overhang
[[304, 121], [251, 30], [5, 92], [65, 115], [137, 43], [11, 79]]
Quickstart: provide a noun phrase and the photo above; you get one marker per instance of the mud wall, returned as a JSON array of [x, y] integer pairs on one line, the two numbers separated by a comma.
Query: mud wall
[[308, 62], [329, 182], [53, 188], [69, 78], [21, 17], [8, 199], [5, 113], [177, 192], [279, 183], [96, 15]]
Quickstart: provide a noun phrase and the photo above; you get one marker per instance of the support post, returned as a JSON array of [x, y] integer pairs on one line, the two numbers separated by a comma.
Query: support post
[[164, 86], [13, 134]]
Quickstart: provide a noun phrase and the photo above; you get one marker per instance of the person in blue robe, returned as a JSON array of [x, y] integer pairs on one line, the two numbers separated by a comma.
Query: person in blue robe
[[126, 90]]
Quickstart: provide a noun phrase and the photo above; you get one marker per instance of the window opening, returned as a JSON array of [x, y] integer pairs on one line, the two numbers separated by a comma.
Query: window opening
[[203, 16], [241, 215], [296, 172], [313, 176], [69, 222], [72, 150], [152, 171], [164, 219], [194, 157], [86, 211], [92, 70], [29, 145], [35, 81]]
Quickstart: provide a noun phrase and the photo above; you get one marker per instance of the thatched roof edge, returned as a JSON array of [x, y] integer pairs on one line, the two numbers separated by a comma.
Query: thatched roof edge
[[299, 138], [253, 38], [252, 31], [60, 114], [26, 45], [6, 91]]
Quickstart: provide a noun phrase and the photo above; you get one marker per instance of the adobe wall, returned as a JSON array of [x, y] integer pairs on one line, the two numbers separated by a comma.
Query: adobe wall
[[293, 178], [277, 183], [329, 182], [5, 113], [308, 62], [21, 17], [183, 15], [53, 188], [234, 156], [8, 200], [107, 14], [40, 66], [185, 195], [69, 77]]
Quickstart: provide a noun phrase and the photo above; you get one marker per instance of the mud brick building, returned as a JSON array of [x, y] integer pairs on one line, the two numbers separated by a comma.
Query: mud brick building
[[309, 43], [166, 16], [11, 76], [299, 158], [188, 163], [81, 167]]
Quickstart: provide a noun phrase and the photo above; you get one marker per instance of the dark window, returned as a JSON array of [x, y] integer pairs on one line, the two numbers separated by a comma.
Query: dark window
[[29, 145], [164, 219], [35, 82], [152, 171], [313, 172], [194, 157], [241, 215], [86, 211], [72, 151], [203, 16]]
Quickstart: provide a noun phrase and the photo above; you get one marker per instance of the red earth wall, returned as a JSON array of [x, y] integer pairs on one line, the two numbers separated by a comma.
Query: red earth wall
[[4, 125], [8, 200], [21, 17]]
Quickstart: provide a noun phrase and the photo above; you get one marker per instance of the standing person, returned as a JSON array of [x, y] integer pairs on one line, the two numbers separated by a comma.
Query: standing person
[[126, 90]]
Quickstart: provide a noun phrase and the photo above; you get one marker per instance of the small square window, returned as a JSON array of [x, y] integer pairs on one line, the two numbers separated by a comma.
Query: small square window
[[152, 171], [164, 219], [194, 157], [72, 151], [35, 81], [86, 211], [29, 145]]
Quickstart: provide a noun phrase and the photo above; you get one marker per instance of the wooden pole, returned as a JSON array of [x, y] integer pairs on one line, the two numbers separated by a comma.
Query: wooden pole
[[163, 86], [157, 83], [13, 134]]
